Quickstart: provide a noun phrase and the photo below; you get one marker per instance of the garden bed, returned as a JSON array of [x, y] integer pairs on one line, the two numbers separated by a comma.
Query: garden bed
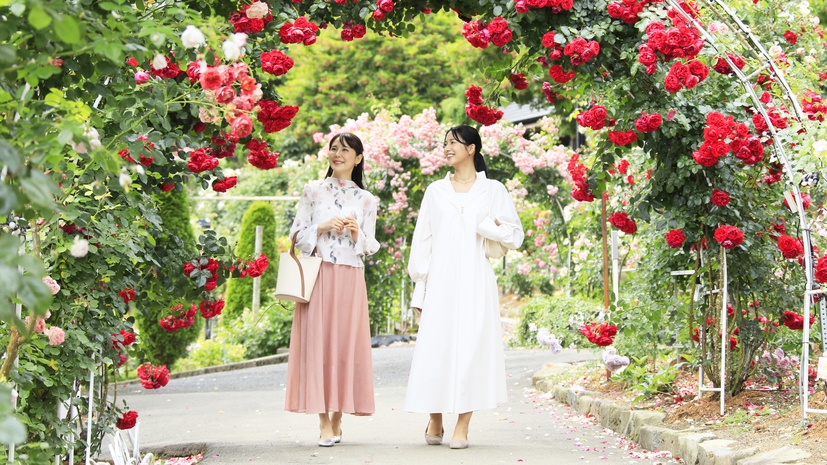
[[758, 418]]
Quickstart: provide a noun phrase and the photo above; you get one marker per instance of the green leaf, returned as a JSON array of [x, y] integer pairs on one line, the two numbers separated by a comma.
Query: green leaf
[[17, 8], [38, 18], [11, 430], [38, 188], [9, 276], [10, 157], [67, 30], [7, 55], [8, 199]]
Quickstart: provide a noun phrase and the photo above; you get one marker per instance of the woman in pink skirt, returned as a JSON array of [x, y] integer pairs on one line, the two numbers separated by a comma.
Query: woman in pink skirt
[[330, 371]]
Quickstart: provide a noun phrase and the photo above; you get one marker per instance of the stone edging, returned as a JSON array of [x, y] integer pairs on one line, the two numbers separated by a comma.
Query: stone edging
[[256, 362], [694, 447]]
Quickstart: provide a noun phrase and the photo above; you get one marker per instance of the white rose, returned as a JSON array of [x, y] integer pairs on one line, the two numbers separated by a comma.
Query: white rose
[[258, 10], [80, 248], [125, 181], [820, 148], [94, 141], [192, 37], [240, 39], [232, 51], [775, 50], [815, 21], [159, 62]]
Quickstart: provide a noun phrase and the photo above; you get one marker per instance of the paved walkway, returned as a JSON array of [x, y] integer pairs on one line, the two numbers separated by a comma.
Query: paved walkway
[[240, 416]]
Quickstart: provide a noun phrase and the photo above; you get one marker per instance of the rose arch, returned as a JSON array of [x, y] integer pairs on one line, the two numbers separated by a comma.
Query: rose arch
[[110, 106]]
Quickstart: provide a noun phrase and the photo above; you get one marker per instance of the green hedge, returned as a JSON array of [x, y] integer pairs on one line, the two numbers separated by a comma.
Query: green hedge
[[555, 313], [177, 244], [240, 290]]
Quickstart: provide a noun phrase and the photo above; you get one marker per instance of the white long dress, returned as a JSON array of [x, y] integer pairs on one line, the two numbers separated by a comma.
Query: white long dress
[[458, 363]]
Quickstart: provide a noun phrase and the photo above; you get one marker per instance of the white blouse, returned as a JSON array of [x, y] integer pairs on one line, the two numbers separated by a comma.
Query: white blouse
[[321, 201]]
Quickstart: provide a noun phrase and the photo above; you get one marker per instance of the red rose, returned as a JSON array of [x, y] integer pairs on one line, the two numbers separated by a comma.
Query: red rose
[[672, 83], [153, 377], [795, 321], [790, 247], [622, 137], [127, 295], [621, 221], [200, 161], [127, 420], [474, 95], [561, 77], [225, 184], [276, 63], [260, 157], [648, 123], [821, 269], [519, 81], [790, 37], [719, 198], [548, 39], [600, 334], [497, 25], [675, 238], [729, 236]]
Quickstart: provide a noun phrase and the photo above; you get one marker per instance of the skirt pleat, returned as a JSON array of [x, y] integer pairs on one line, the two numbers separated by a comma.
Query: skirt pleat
[[329, 364]]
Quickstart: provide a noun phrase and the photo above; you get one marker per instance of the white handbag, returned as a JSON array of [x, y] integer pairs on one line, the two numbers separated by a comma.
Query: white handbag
[[297, 276], [493, 249]]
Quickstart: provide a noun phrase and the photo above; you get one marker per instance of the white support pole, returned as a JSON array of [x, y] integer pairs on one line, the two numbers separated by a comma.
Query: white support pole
[[724, 333], [18, 311], [257, 280], [615, 266], [89, 415]]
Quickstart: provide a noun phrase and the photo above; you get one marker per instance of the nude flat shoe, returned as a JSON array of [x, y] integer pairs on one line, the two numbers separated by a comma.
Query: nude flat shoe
[[433, 439], [459, 444]]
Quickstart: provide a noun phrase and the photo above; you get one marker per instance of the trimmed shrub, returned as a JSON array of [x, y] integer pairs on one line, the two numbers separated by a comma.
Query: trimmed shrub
[[240, 290], [176, 245]]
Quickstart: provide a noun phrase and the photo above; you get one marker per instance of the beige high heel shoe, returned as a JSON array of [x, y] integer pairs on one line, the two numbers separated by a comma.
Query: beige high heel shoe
[[433, 439]]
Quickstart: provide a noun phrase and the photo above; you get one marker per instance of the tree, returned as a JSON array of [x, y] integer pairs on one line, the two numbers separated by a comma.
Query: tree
[[176, 246], [240, 290]]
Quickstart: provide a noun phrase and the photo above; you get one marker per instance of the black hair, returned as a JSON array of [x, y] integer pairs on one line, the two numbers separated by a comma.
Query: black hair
[[468, 135], [350, 140]]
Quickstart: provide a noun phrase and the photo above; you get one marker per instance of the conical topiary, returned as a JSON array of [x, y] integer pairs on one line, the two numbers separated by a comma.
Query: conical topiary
[[170, 286], [240, 290]]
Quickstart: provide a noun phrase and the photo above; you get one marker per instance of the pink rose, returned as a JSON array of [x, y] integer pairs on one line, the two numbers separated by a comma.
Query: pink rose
[[56, 335], [241, 126], [53, 286], [141, 77]]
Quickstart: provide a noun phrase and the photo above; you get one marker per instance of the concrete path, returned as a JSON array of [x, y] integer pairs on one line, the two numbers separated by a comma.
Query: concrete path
[[240, 416]]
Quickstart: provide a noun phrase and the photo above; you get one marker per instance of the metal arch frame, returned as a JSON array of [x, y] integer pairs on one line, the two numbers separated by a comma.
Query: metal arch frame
[[778, 76]]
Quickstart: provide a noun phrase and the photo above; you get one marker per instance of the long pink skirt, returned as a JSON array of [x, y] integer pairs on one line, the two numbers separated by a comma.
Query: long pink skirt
[[329, 368]]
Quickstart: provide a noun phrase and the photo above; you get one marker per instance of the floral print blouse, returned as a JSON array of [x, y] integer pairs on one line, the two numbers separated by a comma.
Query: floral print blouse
[[321, 201]]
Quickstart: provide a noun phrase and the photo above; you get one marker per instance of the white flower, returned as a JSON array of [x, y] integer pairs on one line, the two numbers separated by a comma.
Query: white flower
[[804, 8], [192, 37], [80, 248], [776, 50], [820, 148], [814, 20], [240, 39], [139, 169], [231, 50], [94, 141], [545, 338], [125, 181], [258, 10], [159, 62], [532, 327]]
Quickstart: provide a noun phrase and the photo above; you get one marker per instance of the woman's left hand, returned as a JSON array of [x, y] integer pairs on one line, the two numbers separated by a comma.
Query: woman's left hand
[[352, 226]]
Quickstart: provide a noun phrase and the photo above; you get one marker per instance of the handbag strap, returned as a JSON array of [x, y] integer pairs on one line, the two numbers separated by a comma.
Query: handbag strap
[[296, 259]]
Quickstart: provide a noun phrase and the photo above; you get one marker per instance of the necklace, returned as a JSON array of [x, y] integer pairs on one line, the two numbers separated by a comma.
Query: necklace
[[454, 178]]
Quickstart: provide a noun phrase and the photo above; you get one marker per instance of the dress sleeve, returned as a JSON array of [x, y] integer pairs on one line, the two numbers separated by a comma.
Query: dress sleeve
[[303, 223], [367, 243], [503, 224], [420, 259]]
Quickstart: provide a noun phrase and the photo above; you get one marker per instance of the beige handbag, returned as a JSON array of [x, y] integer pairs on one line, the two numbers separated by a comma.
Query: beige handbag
[[297, 276], [493, 249]]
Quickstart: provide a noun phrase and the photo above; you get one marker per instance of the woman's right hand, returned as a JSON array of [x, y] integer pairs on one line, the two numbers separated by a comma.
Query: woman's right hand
[[337, 223], [417, 310]]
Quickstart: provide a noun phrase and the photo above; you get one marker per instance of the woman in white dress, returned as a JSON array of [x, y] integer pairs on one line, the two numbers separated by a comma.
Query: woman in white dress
[[329, 369], [459, 363]]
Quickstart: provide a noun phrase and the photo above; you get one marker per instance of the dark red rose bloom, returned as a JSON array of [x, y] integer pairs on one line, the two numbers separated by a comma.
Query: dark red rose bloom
[[132, 61], [622, 137], [128, 295], [210, 308], [548, 39], [790, 37], [672, 83], [600, 334], [594, 117], [483, 114], [518, 81], [648, 123], [551, 96], [705, 156], [126, 339], [200, 161], [258, 266], [719, 198], [474, 95], [729, 236], [166, 187], [621, 221], [805, 201], [623, 166], [276, 63], [275, 117], [153, 377], [561, 77], [675, 238], [122, 358], [795, 321], [260, 157], [821, 269], [127, 420], [225, 184], [790, 247]]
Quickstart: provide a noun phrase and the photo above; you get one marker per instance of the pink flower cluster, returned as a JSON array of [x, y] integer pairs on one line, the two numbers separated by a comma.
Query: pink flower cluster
[[480, 34]]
